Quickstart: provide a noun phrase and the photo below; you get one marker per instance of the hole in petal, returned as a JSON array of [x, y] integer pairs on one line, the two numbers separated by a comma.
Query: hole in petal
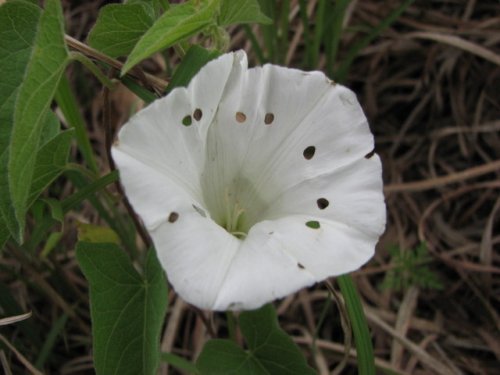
[[309, 152], [313, 224], [197, 114], [322, 203], [186, 121], [370, 154], [269, 118], [200, 211], [300, 266], [172, 218], [240, 117]]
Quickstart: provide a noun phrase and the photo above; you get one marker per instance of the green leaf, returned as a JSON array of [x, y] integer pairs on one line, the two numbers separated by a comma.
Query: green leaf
[[18, 25], [50, 128], [271, 350], [68, 105], [241, 11], [127, 309], [224, 357], [96, 234], [177, 23], [364, 348], [179, 363], [50, 162], [47, 62], [119, 27], [89, 189], [195, 58], [153, 7]]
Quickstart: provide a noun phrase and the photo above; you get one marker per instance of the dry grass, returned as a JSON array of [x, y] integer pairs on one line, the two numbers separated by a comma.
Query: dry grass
[[430, 88]]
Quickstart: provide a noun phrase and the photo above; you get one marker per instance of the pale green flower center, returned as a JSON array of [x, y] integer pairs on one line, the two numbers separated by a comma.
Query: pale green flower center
[[236, 206]]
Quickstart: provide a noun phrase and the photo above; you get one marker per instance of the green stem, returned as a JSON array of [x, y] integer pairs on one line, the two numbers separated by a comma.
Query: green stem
[[77, 56], [231, 325]]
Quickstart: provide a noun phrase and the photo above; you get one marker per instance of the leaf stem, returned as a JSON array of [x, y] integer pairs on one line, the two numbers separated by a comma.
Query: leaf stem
[[81, 58], [156, 82]]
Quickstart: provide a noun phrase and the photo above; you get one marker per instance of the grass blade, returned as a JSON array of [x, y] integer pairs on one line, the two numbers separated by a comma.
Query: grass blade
[[343, 70], [69, 107], [318, 32], [335, 19], [364, 348], [307, 35]]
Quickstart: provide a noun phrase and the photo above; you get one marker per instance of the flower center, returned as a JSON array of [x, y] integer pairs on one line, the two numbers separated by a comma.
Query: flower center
[[234, 204], [234, 216]]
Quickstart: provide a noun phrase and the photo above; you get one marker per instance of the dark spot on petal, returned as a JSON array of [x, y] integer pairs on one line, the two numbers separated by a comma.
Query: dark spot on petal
[[322, 203], [300, 266], [172, 218], [313, 224], [309, 152], [200, 211], [240, 117], [269, 118], [186, 121], [271, 233], [370, 154], [197, 114]]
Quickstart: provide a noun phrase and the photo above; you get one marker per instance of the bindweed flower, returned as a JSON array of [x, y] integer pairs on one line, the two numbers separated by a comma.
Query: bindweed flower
[[253, 183]]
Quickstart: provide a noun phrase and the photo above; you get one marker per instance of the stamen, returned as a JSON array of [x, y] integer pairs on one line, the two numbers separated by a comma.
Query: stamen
[[234, 214]]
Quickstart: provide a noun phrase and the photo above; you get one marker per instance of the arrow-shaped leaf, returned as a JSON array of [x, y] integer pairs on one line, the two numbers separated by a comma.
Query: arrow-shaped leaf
[[177, 23], [127, 309]]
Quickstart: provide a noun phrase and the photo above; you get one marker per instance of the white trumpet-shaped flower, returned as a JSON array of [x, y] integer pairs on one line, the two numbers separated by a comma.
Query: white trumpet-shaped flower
[[253, 183]]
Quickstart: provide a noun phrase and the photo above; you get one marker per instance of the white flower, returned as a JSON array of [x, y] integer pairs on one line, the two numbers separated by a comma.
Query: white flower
[[253, 183]]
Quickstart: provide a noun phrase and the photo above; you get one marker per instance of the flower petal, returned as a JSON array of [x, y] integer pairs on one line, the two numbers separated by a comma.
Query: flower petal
[[282, 254], [351, 195], [282, 148], [268, 119], [160, 160], [196, 252], [159, 136]]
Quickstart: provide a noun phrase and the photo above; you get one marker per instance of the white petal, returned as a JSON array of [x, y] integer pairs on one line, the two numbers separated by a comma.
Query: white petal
[[160, 162], [351, 195], [285, 112], [196, 252], [247, 147], [262, 270], [157, 137], [152, 193]]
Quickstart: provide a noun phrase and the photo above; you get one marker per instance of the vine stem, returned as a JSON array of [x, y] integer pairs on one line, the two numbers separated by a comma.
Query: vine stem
[[109, 142], [75, 44]]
